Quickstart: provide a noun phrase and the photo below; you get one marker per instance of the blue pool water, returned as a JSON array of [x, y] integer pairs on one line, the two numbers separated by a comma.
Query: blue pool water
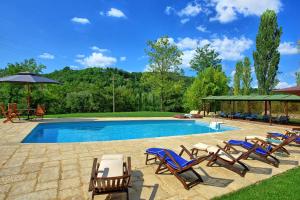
[[115, 130]]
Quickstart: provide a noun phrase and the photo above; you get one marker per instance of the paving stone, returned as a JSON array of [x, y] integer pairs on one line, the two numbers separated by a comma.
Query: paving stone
[[70, 194], [46, 185], [49, 174], [69, 174], [69, 183], [10, 171], [4, 188], [22, 187], [39, 195], [12, 178], [31, 168]]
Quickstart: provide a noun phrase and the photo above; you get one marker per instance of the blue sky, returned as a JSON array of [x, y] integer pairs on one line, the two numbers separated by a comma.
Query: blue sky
[[114, 33]]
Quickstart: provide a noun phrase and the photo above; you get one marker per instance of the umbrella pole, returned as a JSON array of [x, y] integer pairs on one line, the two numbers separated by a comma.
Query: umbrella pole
[[28, 101]]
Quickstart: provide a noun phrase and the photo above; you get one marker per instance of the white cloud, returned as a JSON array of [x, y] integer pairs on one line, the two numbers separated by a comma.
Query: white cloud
[[47, 56], [283, 84], [228, 48], [80, 20], [97, 59], [187, 57], [232, 74], [191, 10], [201, 28], [123, 58], [80, 56], [113, 12], [74, 67], [169, 10], [95, 48], [227, 10], [287, 48], [184, 20], [101, 13], [231, 48], [187, 43]]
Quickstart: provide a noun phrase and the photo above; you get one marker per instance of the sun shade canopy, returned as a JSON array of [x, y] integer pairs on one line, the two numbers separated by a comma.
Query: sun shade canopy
[[27, 77], [279, 97]]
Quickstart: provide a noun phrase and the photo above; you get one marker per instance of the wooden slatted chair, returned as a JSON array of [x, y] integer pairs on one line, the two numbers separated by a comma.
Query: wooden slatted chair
[[176, 164], [40, 111], [14, 108], [222, 157], [9, 115], [111, 175]]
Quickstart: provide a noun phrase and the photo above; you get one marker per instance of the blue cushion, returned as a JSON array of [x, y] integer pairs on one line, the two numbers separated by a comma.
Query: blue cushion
[[154, 150], [248, 145], [277, 134], [297, 140], [179, 160]]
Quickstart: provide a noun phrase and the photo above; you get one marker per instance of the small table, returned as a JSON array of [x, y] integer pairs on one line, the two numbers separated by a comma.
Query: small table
[[28, 110]]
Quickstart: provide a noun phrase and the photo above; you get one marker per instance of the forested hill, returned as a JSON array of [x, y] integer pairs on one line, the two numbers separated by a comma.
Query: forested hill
[[91, 90]]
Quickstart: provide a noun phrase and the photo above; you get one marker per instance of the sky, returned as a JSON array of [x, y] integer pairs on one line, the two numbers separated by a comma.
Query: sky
[[114, 33]]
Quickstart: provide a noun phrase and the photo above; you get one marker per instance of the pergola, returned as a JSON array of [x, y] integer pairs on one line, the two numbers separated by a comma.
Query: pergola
[[267, 99]]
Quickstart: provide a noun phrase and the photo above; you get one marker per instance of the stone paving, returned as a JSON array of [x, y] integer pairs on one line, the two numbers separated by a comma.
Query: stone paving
[[62, 171]]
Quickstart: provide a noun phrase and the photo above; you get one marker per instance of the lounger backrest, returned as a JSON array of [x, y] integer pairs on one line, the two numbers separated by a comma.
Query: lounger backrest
[[117, 183], [113, 183], [285, 142]]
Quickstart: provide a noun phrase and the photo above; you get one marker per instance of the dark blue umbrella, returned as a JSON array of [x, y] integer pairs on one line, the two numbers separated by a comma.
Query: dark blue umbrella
[[28, 79]]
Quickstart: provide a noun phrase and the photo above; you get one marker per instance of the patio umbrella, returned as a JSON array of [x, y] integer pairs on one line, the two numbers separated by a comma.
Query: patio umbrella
[[291, 90], [28, 79]]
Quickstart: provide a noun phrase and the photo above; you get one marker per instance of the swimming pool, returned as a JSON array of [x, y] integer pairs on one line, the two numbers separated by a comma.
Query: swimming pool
[[116, 130]]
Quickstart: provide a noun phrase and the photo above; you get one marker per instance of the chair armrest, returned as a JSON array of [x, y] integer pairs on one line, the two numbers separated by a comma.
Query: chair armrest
[[227, 145], [184, 149], [93, 174]]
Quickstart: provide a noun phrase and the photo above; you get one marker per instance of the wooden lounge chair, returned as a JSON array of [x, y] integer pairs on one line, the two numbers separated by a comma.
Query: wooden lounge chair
[[176, 164], [111, 175], [270, 143], [261, 152], [222, 157], [281, 136], [14, 108], [40, 111], [9, 115]]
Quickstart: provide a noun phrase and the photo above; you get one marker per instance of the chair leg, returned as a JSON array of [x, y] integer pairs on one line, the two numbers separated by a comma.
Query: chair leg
[[127, 194]]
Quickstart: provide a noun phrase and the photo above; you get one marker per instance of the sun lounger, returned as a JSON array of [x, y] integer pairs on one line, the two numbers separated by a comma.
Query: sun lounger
[[280, 136], [176, 164], [251, 117], [111, 175], [222, 157], [263, 153], [265, 142]]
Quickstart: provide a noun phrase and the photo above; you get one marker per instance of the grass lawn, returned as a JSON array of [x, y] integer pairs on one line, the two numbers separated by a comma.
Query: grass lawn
[[283, 186], [115, 114]]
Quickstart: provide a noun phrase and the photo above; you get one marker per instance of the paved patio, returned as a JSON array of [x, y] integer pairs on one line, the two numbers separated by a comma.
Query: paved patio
[[62, 171]]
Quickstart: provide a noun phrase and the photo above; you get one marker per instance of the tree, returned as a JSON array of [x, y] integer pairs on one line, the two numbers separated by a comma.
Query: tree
[[298, 78], [267, 57], [246, 76], [210, 81], [15, 92], [205, 57], [237, 78], [164, 61]]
